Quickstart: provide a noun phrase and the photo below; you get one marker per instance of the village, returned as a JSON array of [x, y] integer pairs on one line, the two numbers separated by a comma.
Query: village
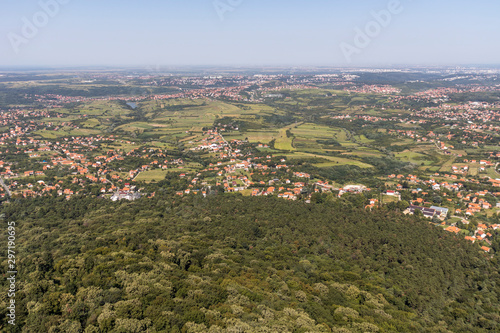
[[79, 145], [78, 165]]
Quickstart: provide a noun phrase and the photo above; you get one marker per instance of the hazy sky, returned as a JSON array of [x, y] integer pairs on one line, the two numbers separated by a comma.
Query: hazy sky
[[248, 32]]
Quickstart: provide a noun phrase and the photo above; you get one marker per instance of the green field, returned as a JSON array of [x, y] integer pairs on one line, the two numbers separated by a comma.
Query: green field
[[389, 198], [473, 169], [314, 137], [414, 157], [331, 160], [173, 118], [283, 142], [101, 109], [66, 131], [363, 139], [446, 166], [364, 152], [152, 175], [491, 172], [158, 174], [254, 136]]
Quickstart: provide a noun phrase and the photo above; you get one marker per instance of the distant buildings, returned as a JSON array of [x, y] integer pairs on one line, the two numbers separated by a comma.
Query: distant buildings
[[428, 212], [440, 211], [127, 195]]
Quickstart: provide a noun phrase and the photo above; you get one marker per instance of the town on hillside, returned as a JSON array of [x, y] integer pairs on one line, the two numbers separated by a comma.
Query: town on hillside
[[309, 137]]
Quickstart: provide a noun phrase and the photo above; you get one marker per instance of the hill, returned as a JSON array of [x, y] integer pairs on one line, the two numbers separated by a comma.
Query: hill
[[233, 264]]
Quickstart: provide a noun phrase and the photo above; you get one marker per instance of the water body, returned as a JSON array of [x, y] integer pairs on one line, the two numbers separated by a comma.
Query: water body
[[132, 105]]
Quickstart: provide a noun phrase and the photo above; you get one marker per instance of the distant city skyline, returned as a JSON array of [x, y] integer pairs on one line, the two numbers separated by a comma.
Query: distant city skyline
[[68, 33]]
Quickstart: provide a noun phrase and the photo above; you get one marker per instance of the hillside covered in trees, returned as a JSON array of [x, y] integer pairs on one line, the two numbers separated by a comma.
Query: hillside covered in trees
[[242, 264]]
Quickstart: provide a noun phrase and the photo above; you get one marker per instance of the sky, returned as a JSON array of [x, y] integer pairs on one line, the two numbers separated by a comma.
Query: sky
[[149, 33]]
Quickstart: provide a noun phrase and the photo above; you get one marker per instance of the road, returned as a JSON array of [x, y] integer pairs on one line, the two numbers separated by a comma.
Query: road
[[496, 168], [5, 187], [227, 143]]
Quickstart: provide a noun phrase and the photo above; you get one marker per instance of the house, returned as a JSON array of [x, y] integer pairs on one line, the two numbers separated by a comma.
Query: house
[[452, 229], [485, 249], [481, 234], [428, 212], [440, 210], [469, 238], [125, 195]]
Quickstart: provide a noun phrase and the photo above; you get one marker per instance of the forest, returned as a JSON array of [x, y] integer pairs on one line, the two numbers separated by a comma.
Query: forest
[[227, 263]]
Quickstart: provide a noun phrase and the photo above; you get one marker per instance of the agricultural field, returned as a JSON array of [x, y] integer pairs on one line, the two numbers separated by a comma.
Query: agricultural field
[[313, 137], [363, 139], [414, 157], [180, 122], [330, 160], [284, 141], [446, 166], [254, 136], [385, 199], [491, 172], [364, 152], [151, 175], [66, 131]]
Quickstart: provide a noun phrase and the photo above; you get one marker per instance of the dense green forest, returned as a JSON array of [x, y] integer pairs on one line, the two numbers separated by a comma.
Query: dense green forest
[[234, 264]]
